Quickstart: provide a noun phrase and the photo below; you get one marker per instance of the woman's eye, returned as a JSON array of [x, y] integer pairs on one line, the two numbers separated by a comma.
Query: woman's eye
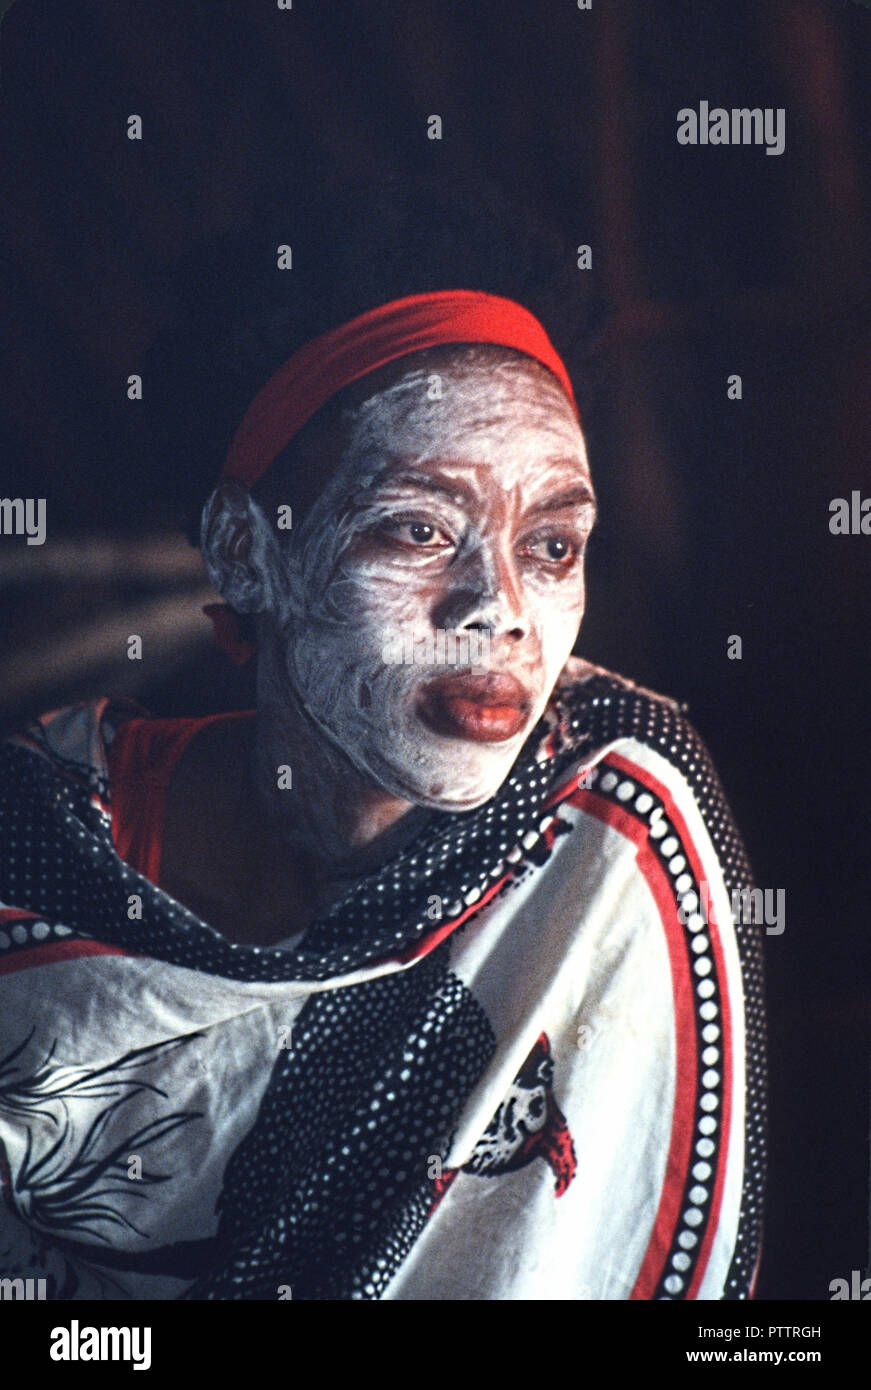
[[553, 550], [422, 535]]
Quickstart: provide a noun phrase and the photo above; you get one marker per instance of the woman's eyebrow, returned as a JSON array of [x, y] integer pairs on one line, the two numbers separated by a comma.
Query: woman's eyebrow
[[578, 496], [581, 494], [428, 482]]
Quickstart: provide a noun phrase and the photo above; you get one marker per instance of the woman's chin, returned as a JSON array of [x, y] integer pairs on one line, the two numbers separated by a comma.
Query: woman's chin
[[440, 791], [438, 771]]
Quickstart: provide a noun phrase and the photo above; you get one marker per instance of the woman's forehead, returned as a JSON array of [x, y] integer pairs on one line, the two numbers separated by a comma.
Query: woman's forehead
[[481, 413], [438, 378], [463, 412]]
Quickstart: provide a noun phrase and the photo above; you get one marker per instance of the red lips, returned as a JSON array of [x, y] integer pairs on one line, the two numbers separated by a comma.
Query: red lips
[[487, 708]]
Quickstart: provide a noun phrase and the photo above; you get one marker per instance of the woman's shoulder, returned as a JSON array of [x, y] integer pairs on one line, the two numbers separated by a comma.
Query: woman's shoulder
[[593, 702], [646, 755], [72, 737], [583, 675], [641, 738], [82, 733], [96, 743]]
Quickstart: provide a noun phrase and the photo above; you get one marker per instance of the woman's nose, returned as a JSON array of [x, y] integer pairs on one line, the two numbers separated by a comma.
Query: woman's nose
[[486, 595]]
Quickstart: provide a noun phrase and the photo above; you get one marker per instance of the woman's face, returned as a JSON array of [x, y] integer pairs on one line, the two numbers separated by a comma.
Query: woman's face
[[460, 502]]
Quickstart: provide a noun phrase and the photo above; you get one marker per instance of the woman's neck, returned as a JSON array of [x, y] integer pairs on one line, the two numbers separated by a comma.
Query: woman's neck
[[266, 826], [311, 796]]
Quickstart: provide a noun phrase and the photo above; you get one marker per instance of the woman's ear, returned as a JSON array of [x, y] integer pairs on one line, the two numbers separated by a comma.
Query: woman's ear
[[239, 548]]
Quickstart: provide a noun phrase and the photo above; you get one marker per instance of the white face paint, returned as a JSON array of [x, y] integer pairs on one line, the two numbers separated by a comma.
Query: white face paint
[[466, 513]]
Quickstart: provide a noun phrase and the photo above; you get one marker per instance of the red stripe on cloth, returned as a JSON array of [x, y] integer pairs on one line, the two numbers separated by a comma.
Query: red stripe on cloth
[[438, 934], [686, 1055], [564, 792], [651, 783], [52, 951], [433, 938]]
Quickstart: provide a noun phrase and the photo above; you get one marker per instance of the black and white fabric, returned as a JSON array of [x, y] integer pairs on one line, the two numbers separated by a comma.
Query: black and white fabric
[[524, 1059]]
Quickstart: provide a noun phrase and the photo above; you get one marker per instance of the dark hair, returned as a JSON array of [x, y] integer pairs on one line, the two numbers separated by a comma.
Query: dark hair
[[351, 248]]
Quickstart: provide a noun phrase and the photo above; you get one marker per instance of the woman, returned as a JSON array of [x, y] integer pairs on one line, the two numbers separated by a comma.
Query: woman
[[418, 981]]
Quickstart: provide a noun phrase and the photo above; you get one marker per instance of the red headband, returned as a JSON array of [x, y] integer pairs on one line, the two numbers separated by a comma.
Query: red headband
[[335, 359]]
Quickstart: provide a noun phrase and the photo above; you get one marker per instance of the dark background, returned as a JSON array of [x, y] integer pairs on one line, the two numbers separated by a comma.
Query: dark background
[[714, 512]]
